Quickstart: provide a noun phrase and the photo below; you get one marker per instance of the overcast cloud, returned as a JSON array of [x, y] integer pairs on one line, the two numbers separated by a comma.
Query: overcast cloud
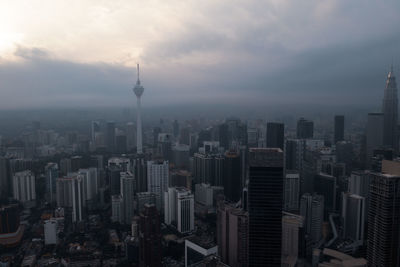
[[83, 53]]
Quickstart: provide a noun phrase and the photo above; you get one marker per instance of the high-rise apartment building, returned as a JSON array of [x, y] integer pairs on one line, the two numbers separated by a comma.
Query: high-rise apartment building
[[24, 187], [51, 172]]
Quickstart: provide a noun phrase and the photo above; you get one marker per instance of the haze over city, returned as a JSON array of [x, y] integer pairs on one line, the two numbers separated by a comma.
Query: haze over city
[[249, 53]]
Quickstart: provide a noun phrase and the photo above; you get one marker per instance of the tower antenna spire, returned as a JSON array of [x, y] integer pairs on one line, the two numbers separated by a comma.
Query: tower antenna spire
[[138, 71]]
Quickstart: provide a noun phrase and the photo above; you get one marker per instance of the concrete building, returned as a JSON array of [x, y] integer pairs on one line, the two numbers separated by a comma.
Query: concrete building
[[117, 209], [198, 248], [232, 234], [292, 191], [24, 188], [158, 180], [291, 235], [128, 185], [179, 209], [50, 232]]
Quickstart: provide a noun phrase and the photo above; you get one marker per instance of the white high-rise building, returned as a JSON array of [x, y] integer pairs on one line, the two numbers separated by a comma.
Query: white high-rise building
[[138, 90], [51, 172], [90, 183], [179, 208], [24, 186], [128, 183], [158, 180]]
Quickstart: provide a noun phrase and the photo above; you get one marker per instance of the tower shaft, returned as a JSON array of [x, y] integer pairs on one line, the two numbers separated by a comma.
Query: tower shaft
[[139, 128]]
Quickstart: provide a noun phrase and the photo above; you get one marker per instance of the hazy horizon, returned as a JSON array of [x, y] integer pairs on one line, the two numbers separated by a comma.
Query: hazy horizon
[[275, 52]]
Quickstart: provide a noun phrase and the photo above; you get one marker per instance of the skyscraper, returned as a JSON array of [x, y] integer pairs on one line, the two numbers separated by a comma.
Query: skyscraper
[[374, 133], [275, 134], [305, 129], [292, 191], [353, 216], [390, 110], [312, 209], [231, 176], [51, 171], [138, 90], [158, 180], [179, 208], [339, 128], [265, 198], [150, 237], [128, 185], [384, 220]]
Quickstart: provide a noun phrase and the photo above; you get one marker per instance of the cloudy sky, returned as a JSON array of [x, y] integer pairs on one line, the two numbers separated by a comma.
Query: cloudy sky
[[83, 53]]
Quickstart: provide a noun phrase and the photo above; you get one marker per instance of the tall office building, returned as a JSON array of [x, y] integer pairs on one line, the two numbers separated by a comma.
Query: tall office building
[[232, 176], [292, 191], [294, 154], [384, 220], [117, 210], [24, 186], [128, 185], [138, 90], [130, 136], [265, 203], [338, 129], [305, 129], [179, 209], [140, 172], [110, 136], [232, 234], [64, 192], [312, 209], [390, 113], [149, 237], [51, 172], [326, 186], [374, 133], [158, 180], [4, 178], [358, 184], [275, 134], [353, 216]]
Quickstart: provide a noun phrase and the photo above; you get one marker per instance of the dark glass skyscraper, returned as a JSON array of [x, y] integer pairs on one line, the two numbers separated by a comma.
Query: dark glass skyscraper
[[384, 220], [232, 176], [305, 129], [150, 237], [339, 128], [275, 134], [390, 113], [265, 204]]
